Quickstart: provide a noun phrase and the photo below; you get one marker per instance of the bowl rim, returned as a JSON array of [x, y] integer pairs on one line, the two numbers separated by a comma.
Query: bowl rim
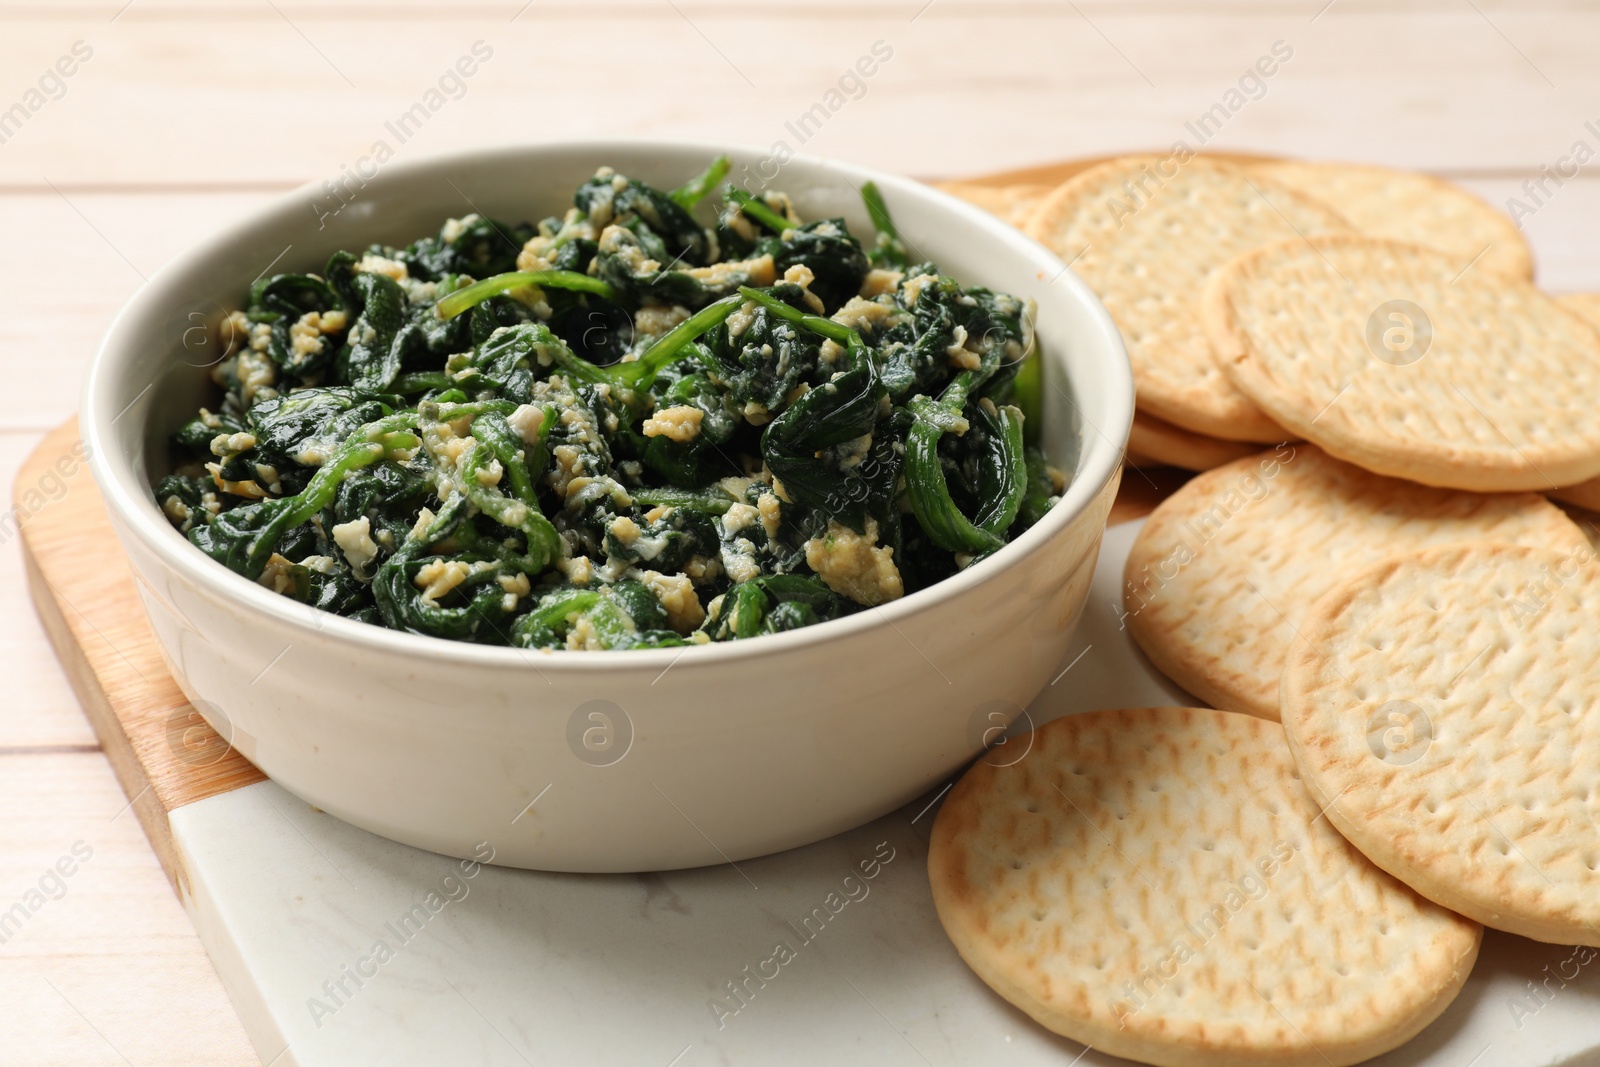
[[132, 503]]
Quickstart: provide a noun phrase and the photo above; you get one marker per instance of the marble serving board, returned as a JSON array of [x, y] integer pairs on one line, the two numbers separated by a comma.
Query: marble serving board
[[342, 948]]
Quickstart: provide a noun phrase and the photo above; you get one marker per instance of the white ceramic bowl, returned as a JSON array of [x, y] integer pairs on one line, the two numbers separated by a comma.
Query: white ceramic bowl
[[639, 760]]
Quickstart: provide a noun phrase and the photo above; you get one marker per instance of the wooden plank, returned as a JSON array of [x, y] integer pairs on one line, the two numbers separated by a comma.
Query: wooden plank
[[905, 10], [49, 717], [286, 99], [83, 588], [87, 254], [105, 968], [1564, 230], [430, 10]]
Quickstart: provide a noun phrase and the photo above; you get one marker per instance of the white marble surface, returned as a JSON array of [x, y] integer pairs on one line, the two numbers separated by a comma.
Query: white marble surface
[[513, 967]]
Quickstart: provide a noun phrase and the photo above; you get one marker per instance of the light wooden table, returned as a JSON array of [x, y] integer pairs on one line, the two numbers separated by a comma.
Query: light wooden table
[[186, 114]]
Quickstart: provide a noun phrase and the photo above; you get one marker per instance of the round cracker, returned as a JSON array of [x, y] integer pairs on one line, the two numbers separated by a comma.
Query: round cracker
[[1408, 206], [1585, 304], [1014, 203], [1390, 356], [1144, 233], [1218, 577], [1445, 707], [1584, 494], [1160, 441], [1069, 879]]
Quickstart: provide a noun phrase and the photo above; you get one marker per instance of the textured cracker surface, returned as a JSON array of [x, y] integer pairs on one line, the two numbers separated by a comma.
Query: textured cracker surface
[[1408, 206], [1585, 304], [1224, 568], [1014, 203], [1584, 494], [1149, 266], [1503, 397], [1158, 440], [1490, 808], [1075, 873]]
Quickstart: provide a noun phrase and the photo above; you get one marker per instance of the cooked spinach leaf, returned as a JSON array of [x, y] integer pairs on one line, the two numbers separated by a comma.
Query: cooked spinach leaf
[[620, 428]]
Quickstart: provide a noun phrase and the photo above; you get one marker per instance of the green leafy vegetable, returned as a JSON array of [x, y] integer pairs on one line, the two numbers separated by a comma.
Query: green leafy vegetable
[[478, 292], [700, 186], [617, 429], [889, 248], [758, 210]]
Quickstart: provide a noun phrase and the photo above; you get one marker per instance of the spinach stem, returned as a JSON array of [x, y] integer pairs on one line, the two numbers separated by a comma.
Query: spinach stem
[[935, 509], [675, 343], [1028, 389], [699, 187], [890, 248], [758, 210], [476, 293], [360, 449], [836, 332]]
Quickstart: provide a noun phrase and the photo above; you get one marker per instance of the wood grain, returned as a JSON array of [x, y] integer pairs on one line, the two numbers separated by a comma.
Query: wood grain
[[47, 716], [106, 969], [252, 93], [84, 592]]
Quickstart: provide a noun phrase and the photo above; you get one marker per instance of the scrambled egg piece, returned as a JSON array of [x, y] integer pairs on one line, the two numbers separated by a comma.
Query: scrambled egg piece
[[681, 423], [855, 566]]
